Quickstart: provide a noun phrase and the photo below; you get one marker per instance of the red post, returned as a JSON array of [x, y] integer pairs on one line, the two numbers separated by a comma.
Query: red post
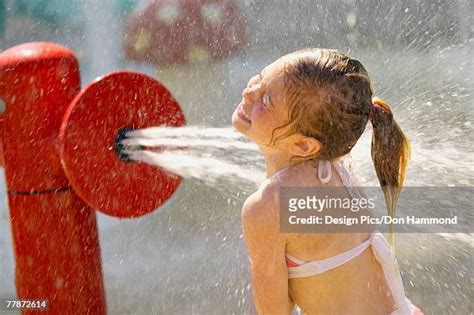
[[54, 232]]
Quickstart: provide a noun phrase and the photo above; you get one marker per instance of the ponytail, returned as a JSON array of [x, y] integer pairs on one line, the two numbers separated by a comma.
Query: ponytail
[[390, 155]]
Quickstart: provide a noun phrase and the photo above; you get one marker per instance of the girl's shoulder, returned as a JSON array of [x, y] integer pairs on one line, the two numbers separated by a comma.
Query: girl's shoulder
[[267, 192], [266, 200], [263, 203]]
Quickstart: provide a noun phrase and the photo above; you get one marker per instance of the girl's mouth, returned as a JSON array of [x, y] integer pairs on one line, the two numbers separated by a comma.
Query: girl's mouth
[[242, 115]]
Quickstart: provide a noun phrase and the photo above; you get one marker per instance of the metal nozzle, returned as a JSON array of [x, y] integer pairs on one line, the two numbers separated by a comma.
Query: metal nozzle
[[120, 148]]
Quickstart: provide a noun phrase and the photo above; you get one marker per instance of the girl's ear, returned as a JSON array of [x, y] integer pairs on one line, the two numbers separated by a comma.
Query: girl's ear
[[305, 146]]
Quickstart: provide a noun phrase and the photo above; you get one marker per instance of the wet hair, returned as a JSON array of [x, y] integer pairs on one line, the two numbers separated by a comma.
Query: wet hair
[[330, 99]]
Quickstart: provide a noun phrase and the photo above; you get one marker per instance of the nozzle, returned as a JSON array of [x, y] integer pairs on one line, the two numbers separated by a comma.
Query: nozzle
[[120, 148]]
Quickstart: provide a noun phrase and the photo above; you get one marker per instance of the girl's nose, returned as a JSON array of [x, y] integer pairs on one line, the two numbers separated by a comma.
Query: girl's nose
[[252, 92]]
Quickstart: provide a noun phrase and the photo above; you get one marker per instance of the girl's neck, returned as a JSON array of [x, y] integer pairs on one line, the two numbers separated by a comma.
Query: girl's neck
[[276, 161]]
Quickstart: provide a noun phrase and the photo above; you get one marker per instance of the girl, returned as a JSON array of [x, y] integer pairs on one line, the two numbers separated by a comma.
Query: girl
[[306, 111]]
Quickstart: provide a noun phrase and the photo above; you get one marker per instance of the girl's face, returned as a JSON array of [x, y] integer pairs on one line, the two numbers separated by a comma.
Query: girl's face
[[263, 108]]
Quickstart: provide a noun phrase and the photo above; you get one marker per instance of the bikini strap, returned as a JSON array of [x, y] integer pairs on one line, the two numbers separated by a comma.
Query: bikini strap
[[346, 179], [316, 267], [345, 176], [323, 164]]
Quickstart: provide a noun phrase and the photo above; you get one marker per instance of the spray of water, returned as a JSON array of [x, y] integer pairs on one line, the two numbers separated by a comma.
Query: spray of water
[[215, 156]]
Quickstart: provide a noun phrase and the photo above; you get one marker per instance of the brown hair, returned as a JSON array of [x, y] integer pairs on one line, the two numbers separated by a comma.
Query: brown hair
[[330, 99]]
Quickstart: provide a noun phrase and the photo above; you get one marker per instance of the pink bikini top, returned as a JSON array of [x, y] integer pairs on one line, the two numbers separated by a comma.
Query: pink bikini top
[[298, 268]]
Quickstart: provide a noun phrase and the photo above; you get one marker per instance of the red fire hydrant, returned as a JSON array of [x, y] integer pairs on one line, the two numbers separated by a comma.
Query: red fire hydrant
[[54, 232], [57, 145]]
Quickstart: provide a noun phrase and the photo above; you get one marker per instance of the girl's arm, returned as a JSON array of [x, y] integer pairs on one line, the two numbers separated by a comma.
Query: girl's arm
[[266, 249]]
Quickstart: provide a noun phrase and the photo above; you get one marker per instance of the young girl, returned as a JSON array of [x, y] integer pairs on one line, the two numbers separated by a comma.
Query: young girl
[[306, 111]]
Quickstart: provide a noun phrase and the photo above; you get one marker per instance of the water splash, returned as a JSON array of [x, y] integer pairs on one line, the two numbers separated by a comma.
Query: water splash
[[215, 156]]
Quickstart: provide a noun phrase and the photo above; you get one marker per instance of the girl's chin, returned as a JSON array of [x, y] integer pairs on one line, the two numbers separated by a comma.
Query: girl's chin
[[238, 124], [239, 127]]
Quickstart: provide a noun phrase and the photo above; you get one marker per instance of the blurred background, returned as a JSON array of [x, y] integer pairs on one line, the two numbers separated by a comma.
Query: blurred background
[[188, 257]]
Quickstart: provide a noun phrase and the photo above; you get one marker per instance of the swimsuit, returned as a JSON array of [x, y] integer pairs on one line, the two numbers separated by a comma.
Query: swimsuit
[[380, 247]]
